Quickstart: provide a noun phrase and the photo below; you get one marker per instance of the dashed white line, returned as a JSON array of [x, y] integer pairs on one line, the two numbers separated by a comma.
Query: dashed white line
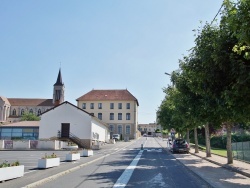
[[126, 175]]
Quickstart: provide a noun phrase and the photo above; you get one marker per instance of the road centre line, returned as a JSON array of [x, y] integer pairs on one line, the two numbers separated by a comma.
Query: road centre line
[[126, 175]]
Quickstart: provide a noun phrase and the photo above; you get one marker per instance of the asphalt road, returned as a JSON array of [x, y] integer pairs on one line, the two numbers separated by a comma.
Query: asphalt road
[[131, 167]]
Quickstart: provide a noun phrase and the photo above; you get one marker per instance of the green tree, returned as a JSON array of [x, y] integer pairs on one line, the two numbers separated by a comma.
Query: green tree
[[29, 117], [236, 16]]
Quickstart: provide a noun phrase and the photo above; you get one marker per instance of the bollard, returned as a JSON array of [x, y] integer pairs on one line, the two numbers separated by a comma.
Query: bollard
[[141, 146]]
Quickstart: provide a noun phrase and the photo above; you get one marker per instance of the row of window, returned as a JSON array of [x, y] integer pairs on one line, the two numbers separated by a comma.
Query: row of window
[[19, 133], [112, 116], [14, 113], [119, 129], [92, 106]]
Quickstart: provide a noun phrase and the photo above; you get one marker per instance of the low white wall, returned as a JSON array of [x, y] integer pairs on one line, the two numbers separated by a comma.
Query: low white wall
[[1, 144], [58, 144], [42, 144], [21, 144], [65, 145], [47, 144]]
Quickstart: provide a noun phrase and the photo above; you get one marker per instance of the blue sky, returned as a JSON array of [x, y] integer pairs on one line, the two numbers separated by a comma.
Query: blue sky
[[101, 44]]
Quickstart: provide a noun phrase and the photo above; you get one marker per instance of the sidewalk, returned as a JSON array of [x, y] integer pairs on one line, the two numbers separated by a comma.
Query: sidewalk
[[237, 166], [215, 170]]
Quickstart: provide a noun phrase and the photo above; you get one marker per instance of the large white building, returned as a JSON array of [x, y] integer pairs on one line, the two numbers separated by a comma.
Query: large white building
[[117, 108], [74, 123]]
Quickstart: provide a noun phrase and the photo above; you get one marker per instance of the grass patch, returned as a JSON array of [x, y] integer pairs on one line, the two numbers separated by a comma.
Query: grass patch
[[217, 151]]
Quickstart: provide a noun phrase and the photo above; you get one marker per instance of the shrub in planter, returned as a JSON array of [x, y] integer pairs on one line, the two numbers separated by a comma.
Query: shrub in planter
[[86, 152], [72, 156], [11, 170], [48, 161]]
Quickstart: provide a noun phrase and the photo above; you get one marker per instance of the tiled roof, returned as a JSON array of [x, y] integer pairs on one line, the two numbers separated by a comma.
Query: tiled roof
[[108, 95], [30, 102], [66, 102], [23, 124]]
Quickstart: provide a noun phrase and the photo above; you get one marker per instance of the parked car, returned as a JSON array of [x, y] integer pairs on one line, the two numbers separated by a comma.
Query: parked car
[[145, 135], [116, 137], [180, 145]]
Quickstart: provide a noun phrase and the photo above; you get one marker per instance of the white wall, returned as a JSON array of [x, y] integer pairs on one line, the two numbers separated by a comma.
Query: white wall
[[21, 144], [1, 144], [80, 122], [66, 146], [49, 144], [99, 128]]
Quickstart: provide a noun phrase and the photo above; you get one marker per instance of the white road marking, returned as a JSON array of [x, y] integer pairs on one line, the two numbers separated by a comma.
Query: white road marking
[[153, 150], [157, 180], [126, 175], [29, 171]]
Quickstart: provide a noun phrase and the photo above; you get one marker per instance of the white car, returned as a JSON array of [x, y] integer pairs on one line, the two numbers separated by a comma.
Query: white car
[[116, 137]]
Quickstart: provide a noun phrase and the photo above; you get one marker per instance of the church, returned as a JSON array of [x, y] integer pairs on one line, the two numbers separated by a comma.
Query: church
[[11, 109]]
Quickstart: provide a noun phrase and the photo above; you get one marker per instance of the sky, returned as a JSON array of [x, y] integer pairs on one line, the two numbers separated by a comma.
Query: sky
[[98, 44]]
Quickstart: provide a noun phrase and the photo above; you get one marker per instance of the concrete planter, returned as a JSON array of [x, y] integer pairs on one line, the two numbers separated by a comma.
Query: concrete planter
[[12, 172], [48, 163], [86, 153], [72, 156]]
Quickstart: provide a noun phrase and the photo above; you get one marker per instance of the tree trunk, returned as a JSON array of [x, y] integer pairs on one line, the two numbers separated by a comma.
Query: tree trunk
[[229, 143], [207, 137], [196, 141], [188, 140]]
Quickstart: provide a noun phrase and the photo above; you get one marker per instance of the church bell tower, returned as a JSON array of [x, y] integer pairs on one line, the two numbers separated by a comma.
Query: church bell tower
[[58, 93]]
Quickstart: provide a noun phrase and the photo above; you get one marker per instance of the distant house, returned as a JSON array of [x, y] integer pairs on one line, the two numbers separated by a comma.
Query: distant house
[[117, 108], [68, 121], [149, 129]]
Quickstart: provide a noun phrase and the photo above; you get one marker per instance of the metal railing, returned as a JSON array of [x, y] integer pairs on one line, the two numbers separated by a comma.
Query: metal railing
[[71, 137], [241, 150]]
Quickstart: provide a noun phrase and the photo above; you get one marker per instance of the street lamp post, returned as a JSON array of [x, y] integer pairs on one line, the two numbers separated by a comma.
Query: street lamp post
[[170, 77]]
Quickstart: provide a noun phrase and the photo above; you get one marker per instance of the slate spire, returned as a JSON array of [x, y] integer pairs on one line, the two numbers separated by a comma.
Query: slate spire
[[59, 79], [58, 93]]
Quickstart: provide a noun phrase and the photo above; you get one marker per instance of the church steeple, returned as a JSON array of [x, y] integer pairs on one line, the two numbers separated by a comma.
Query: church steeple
[[58, 93], [59, 79]]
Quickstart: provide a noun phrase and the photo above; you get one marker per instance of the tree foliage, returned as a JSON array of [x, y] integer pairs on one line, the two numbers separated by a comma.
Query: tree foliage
[[213, 82], [236, 16], [29, 117]]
